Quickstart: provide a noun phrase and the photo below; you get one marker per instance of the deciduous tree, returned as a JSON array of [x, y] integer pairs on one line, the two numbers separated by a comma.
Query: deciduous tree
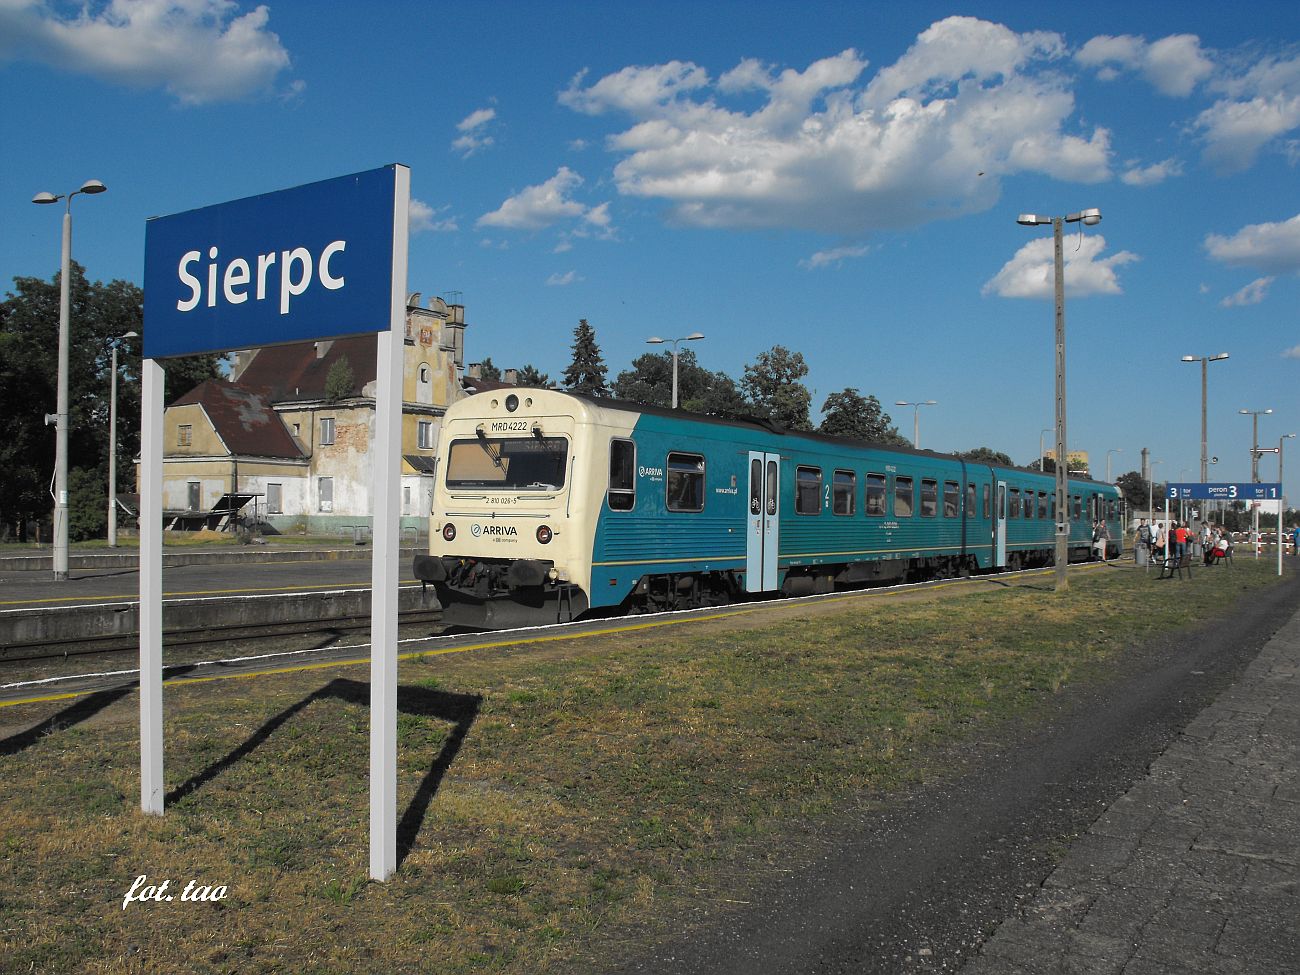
[[850, 414], [774, 389]]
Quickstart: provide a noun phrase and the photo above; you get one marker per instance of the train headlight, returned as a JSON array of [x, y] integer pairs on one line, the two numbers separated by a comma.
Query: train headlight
[[512, 403], [544, 534], [449, 532]]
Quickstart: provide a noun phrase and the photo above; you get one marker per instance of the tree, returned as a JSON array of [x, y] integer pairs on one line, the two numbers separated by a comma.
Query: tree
[[773, 388], [650, 382], [29, 329], [586, 373], [986, 455], [487, 370], [849, 414], [340, 381], [530, 376], [1133, 487]]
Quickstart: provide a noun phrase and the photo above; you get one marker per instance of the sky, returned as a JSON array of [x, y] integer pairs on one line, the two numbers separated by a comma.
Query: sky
[[843, 179]]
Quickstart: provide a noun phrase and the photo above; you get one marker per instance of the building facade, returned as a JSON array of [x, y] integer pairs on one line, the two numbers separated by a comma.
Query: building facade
[[293, 424]]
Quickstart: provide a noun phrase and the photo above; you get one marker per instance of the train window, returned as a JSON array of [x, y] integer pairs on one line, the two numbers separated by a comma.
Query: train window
[[773, 483], [844, 493], [970, 499], [808, 491], [951, 499], [622, 475], [508, 463], [1029, 503], [755, 487], [902, 497], [929, 498], [1078, 507], [1002, 502], [987, 511], [1042, 504], [876, 495], [1014, 511], [685, 482]]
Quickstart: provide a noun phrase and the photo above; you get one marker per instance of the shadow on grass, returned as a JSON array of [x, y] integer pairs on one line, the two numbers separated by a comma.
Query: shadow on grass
[[83, 709], [459, 710]]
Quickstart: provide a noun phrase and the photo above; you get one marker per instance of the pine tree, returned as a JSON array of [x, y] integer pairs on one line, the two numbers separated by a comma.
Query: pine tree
[[586, 374]]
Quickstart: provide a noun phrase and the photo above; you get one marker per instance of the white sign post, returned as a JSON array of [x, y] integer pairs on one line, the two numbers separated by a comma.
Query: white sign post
[[338, 252]]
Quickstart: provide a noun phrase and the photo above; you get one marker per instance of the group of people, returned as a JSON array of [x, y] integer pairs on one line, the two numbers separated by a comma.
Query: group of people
[[1172, 541]]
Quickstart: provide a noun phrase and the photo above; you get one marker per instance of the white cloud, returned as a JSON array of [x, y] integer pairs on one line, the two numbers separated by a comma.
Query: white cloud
[[1260, 104], [1271, 247], [1251, 294], [1031, 272], [473, 137], [423, 217], [1153, 174], [1292, 353], [562, 280], [547, 204], [1175, 65], [928, 138], [835, 256], [198, 50]]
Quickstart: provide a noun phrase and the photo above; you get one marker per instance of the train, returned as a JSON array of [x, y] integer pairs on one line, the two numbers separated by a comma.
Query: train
[[550, 506]]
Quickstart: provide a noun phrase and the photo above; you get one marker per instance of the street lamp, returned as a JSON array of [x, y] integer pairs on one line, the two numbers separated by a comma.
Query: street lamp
[[1205, 361], [112, 442], [60, 417], [1116, 450], [656, 340], [1150, 491], [1089, 218], [1254, 470], [1281, 501], [916, 417]]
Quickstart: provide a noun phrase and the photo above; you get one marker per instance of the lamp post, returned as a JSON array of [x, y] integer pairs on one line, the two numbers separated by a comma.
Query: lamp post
[[1116, 450], [1254, 470], [112, 442], [1281, 501], [60, 417], [656, 340], [1205, 361], [1089, 218], [916, 417]]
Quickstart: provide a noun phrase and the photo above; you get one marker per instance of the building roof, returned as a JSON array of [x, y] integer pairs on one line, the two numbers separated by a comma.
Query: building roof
[[285, 373], [243, 419]]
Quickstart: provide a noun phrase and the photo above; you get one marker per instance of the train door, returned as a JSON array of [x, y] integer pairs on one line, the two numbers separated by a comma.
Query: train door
[[762, 534], [1000, 527]]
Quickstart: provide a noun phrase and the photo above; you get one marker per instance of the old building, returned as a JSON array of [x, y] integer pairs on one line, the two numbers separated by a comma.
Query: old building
[[293, 424]]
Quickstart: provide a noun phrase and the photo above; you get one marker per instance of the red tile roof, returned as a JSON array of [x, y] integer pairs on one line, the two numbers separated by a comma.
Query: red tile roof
[[294, 372], [243, 419]]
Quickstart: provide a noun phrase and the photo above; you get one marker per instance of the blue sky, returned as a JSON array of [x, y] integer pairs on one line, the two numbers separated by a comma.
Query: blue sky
[[842, 179]]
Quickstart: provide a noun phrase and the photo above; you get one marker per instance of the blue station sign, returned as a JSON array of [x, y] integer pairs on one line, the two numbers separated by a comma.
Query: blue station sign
[[311, 262], [1248, 491]]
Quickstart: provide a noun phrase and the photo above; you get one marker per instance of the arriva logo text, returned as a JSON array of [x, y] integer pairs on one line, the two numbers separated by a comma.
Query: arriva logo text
[[500, 531], [650, 471]]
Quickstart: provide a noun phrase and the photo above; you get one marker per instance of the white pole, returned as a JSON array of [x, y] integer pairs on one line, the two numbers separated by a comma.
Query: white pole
[[152, 789], [386, 454], [112, 454]]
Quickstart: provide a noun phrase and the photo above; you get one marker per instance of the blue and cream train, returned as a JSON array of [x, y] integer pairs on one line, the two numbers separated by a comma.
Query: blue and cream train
[[549, 505]]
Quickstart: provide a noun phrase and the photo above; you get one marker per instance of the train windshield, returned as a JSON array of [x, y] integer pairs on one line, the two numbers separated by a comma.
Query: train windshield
[[508, 464]]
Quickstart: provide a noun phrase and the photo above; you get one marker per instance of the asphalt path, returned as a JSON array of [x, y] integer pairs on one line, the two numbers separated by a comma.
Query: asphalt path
[[920, 883]]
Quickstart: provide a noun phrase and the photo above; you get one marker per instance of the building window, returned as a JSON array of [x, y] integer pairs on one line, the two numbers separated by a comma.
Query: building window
[[327, 430], [274, 499], [424, 429], [195, 498], [325, 493], [685, 482], [184, 435], [808, 491], [622, 475], [845, 493], [297, 429]]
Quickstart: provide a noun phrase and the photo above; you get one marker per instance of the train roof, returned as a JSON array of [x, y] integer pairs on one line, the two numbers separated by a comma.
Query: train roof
[[762, 423]]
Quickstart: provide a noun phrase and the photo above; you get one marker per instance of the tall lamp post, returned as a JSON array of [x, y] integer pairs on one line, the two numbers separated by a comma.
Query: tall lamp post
[[1254, 470], [656, 340], [112, 442], [1115, 450], [60, 416], [1205, 361], [1281, 501], [916, 417], [1089, 218]]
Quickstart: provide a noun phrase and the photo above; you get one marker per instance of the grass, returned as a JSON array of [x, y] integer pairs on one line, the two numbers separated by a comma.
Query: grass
[[563, 803]]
